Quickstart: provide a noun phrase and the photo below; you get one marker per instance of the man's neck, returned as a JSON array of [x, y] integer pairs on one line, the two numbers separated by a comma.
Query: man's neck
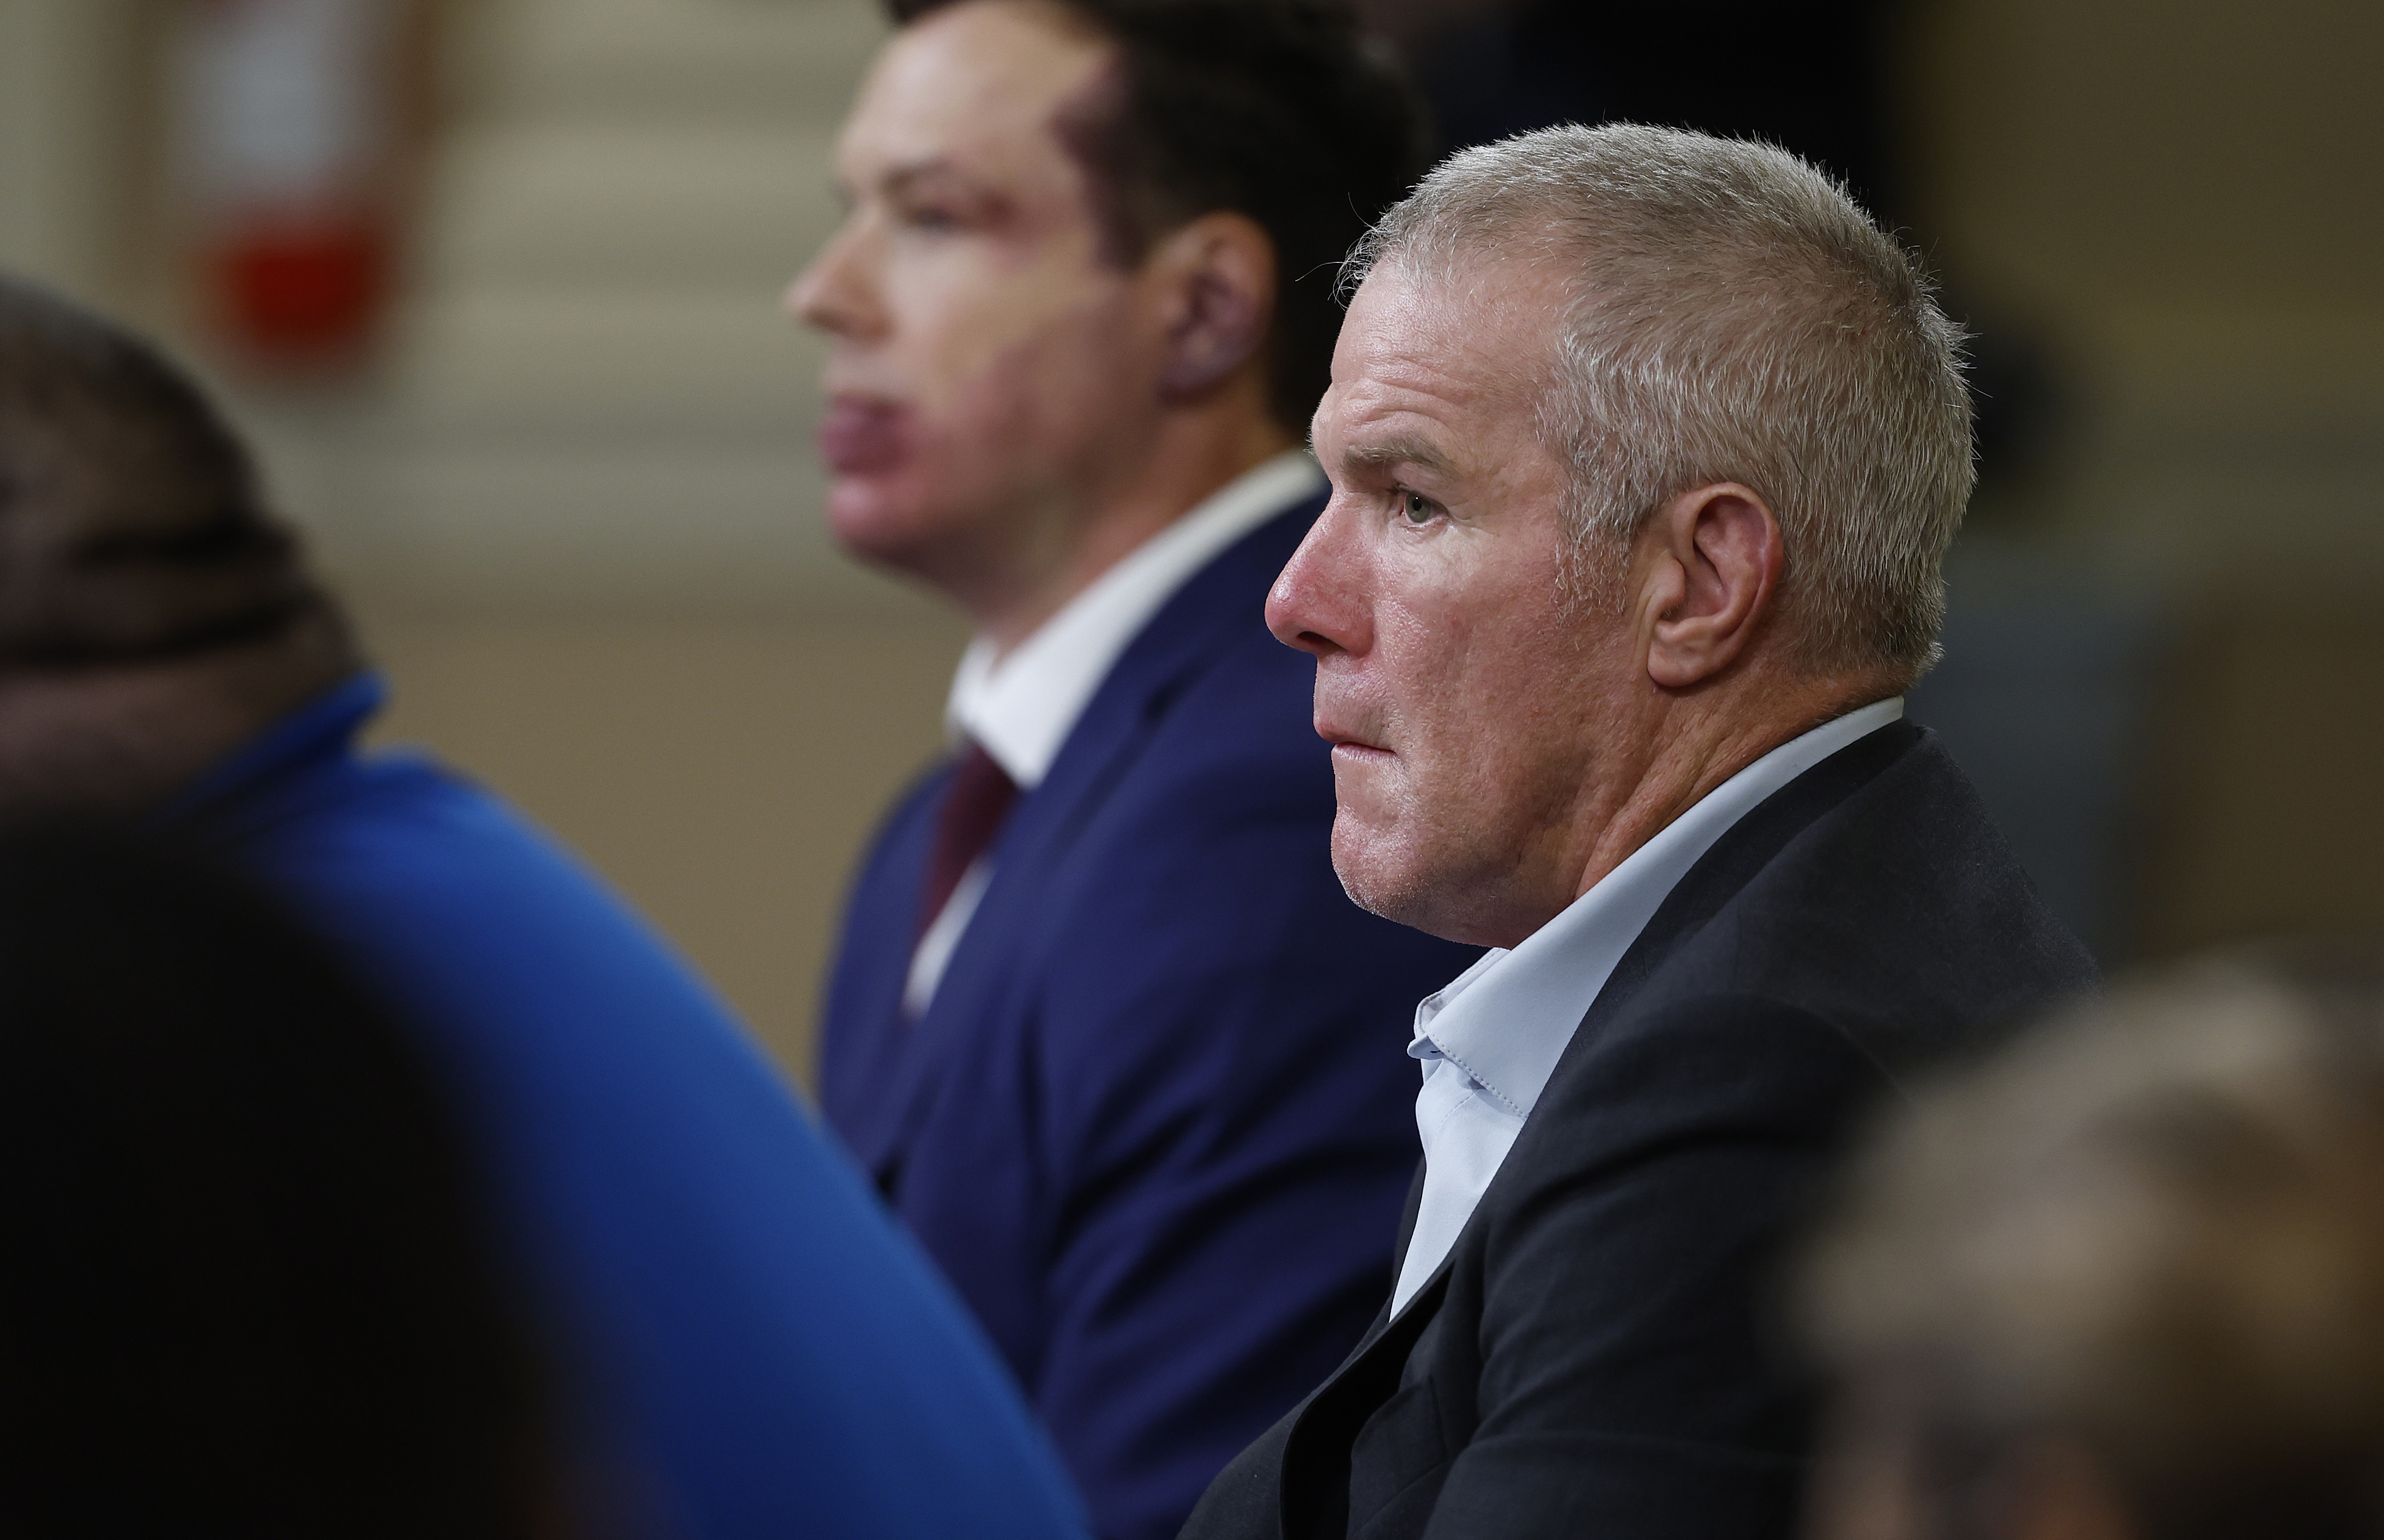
[[1706, 742], [1195, 451], [1655, 765]]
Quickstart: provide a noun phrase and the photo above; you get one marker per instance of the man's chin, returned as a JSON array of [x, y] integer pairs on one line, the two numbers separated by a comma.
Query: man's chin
[[1374, 871], [1414, 884], [879, 520]]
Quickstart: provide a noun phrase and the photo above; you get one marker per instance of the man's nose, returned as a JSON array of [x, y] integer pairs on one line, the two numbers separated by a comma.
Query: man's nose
[[1317, 603], [834, 292]]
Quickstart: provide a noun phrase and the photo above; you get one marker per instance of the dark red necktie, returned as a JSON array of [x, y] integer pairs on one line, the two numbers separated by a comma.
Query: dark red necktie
[[980, 793]]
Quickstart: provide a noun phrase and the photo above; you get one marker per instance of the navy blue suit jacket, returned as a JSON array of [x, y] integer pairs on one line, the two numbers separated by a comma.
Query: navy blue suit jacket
[[1155, 1124]]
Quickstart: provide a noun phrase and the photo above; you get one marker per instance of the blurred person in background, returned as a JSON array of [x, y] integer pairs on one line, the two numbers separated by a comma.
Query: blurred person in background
[[2124, 1282], [1646, 448], [1102, 1024], [751, 1349], [250, 1286]]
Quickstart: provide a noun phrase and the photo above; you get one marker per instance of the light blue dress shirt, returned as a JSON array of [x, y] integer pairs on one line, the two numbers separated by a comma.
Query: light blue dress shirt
[[1490, 1041]]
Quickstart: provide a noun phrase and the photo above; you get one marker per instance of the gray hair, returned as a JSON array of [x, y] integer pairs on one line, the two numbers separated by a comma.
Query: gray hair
[[1737, 317]]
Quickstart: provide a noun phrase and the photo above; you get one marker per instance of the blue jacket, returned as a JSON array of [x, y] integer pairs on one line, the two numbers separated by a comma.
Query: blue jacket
[[759, 1351], [1157, 1123]]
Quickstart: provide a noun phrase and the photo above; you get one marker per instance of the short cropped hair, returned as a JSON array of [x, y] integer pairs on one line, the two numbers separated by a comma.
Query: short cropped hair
[[1280, 110], [2154, 1230], [131, 526], [1736, 317]]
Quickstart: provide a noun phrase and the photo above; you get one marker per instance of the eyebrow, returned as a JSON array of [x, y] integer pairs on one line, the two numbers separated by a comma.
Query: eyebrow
[[902, 178], [1402, 449], [893, 178]]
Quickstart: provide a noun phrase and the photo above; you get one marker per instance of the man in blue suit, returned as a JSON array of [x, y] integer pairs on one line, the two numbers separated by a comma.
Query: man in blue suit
[[748, 1347], [1103, 1026]]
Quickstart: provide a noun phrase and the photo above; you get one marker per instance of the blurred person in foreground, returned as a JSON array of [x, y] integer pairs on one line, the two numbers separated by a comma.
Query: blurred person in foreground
[[2123, 1283], [1646, 448], [250, 1285], [1102, 1024], [750, 1348]]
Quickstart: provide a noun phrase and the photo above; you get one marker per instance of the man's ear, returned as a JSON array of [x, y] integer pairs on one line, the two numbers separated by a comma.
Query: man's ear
[[1216, 280], [1709, 562]]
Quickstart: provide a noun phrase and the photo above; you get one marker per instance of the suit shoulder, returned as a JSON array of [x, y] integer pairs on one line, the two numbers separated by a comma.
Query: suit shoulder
[[1901, 918], [1761, 1065]]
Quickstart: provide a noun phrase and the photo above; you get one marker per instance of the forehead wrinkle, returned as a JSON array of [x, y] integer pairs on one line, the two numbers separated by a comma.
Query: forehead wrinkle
[[1488, 321], [1412, 411], [1434, 369]]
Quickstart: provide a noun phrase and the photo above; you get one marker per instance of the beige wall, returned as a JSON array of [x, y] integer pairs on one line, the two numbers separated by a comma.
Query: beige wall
[[2186, 196], [2264, 816], [70, 157], [721, 773], [2146, 158]]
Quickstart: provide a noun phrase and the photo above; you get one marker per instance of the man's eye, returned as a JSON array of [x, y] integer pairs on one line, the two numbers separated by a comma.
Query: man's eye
[[1417, 508]]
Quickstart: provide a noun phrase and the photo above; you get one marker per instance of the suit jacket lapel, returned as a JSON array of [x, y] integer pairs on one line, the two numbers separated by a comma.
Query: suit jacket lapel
[[880, 1045], [1218, 606], [1749, 846], [1328, 1422], [1327, 1425]]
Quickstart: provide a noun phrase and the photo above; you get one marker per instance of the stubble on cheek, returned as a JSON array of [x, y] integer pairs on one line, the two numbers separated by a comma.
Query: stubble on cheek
[[1461, 833], [1391, 841], [1365, 827]]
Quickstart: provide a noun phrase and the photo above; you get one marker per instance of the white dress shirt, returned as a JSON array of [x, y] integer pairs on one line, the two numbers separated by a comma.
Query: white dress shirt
[[1021, 705], [1490, 1041]]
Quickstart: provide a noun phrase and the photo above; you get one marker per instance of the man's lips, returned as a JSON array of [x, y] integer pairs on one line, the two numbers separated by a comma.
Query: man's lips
[[1358, 747], [862, 435]]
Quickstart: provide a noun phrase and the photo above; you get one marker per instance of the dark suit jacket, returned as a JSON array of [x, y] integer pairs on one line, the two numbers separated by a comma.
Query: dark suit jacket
[[1597, 1355], [1155, 1124]]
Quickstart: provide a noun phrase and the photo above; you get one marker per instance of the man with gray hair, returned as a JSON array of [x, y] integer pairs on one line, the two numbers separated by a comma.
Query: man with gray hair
[[1646, 449]]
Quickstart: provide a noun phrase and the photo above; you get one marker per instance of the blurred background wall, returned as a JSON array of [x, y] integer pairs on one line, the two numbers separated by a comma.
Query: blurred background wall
[[572, 495]]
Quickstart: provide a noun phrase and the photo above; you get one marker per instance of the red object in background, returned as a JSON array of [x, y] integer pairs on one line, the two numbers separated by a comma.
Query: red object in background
[[287, 128], [300, 291]]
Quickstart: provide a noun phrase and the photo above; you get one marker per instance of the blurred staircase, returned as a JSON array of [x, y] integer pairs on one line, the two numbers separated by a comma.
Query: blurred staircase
[[594, 404]]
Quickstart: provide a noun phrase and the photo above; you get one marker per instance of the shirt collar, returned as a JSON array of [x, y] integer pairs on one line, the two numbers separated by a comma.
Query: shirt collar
[[1505, 1020], [323, 724], [1022, 707]]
